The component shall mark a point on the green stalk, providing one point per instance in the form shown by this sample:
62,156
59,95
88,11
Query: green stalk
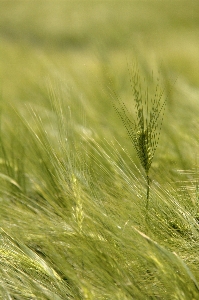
147,191
144,128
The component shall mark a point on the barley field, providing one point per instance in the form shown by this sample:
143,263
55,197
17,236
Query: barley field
99,141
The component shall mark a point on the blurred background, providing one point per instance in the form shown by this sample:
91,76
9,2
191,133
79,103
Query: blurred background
78,34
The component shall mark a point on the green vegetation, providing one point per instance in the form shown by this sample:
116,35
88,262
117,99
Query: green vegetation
74,177
144,131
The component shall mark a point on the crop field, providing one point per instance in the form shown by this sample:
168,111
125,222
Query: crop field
99,150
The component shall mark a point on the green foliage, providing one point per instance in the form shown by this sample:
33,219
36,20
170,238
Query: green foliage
72,187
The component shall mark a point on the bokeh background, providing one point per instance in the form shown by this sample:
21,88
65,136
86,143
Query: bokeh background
76,35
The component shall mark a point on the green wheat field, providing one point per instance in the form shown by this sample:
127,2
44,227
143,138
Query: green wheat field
99,150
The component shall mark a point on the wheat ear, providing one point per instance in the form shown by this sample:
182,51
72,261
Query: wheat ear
144,129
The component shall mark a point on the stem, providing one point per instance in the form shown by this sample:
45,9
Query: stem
147,191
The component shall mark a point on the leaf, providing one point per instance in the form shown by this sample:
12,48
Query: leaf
10,180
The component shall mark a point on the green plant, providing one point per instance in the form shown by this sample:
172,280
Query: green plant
144,129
